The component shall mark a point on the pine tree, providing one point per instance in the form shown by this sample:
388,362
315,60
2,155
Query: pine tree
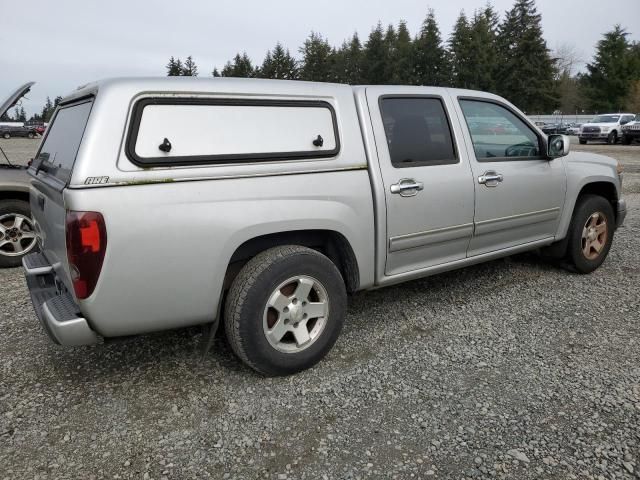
347,62
189,69
403,72
240,67
461,48
173,70
47,110
430,57
375,69
616,64
390,53
316,59
483,51
279,64
215,72
525,68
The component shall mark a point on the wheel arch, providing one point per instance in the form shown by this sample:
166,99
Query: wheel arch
331,243
14,195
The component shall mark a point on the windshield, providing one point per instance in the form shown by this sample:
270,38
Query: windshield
60,147
605,119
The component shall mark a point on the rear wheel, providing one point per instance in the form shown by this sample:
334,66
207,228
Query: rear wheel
590,233
285,310
31,135
17,236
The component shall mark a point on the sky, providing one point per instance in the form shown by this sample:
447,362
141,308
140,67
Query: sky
62,44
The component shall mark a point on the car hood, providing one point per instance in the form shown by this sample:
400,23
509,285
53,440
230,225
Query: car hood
15,97
599,124
591,158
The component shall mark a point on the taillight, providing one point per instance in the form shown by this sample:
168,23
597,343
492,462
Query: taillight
86,246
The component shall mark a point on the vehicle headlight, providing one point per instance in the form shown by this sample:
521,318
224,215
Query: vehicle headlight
605,129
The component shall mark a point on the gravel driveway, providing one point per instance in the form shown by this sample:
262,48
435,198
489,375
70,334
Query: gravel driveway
511,369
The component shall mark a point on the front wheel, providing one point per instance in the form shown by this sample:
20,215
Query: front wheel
285,310
590,233
612,138
6,135
31,135
582,142
626,140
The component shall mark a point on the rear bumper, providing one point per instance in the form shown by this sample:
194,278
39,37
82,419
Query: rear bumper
621,212
55,307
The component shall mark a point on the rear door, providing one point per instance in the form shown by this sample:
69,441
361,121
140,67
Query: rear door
427,180
51,171
519,192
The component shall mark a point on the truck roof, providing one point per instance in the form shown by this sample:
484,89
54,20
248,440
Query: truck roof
208,85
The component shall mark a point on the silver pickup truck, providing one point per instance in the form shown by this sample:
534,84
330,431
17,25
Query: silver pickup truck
167,202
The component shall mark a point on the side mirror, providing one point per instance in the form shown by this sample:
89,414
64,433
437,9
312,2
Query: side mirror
558,146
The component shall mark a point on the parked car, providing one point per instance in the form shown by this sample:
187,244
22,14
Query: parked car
8,132
606,127
17,234
283,196
550,128
631,131
573,129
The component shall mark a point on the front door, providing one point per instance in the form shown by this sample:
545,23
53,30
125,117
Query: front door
519,192
427,179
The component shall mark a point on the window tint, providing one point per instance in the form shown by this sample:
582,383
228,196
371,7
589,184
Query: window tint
60,147
498,133
417,131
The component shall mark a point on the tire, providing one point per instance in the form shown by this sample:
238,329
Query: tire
626,140
8,209
248,316
31,135
6,135
582,142
612,139
586,208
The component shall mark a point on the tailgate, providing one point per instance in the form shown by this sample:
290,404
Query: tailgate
51,171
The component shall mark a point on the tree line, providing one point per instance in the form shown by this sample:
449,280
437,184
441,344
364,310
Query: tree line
20,115
509,57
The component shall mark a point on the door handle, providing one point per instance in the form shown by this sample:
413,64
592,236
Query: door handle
407,187
490,179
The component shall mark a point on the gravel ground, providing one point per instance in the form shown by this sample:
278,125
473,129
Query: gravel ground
511,369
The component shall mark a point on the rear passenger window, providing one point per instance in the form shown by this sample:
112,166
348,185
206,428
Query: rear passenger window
418,132
230,130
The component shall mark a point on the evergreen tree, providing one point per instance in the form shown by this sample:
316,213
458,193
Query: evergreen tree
215,72
240,67
525,68
47,110
461,48
173,70
189,69
317,59
483,49
430,57
375,69
610,75
403,72
347,64
391,54
279,64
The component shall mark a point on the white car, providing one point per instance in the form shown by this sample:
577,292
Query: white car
574,129
607,127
